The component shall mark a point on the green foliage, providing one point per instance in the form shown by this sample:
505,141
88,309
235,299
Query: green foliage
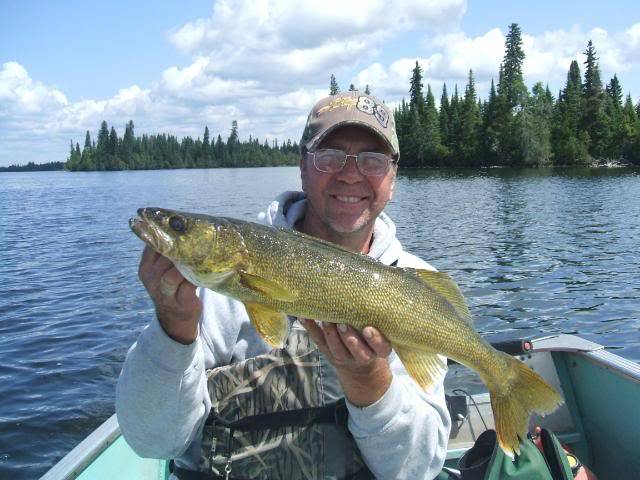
166,151
366,90
333,85
585,125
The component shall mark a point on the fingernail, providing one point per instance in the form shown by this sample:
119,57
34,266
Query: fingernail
368,332
342,327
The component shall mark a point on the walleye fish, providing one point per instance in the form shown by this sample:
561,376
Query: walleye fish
277,272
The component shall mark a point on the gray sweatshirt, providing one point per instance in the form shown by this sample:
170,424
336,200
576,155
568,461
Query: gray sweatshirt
162,400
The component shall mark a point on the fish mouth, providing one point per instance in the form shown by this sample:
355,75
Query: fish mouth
146,228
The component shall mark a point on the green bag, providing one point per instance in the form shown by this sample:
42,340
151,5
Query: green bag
486,460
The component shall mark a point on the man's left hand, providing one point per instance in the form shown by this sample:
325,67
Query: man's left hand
359,358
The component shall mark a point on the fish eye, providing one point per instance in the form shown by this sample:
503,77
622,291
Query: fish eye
177,223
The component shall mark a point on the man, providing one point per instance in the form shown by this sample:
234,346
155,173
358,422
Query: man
199,368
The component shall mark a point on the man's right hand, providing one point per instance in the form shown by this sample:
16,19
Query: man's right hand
177,306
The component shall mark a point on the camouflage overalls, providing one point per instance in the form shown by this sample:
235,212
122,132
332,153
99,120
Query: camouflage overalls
292,378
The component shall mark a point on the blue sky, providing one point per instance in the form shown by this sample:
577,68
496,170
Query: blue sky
177,66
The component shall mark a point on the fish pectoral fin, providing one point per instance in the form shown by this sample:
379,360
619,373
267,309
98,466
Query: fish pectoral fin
267,287
448,288
273,326
425,368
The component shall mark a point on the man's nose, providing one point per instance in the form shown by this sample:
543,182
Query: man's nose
350,172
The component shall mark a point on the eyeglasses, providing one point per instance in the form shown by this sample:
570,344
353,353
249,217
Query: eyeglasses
370,164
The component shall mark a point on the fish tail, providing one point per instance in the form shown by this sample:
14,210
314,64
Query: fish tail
517,393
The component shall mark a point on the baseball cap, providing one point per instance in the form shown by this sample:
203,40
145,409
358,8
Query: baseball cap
350,108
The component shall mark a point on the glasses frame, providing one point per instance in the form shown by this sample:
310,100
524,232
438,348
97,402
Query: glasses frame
357,158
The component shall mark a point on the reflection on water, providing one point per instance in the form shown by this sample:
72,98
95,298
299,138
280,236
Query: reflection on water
534,251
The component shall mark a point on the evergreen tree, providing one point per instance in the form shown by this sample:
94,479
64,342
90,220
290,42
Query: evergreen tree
333,85
569,141
366,90
102,147
512,94
489,141
444,117
613,111
594,121
470,122
434,151
128,145
534,127
352,88
416,97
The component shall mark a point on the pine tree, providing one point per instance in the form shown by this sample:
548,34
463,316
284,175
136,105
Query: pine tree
102,147
416,97
128,145
613,111
511,85
333,85
470,122
443,119
489,141
366,90
534,133
594,120
205,156
434,152
569,142
352,88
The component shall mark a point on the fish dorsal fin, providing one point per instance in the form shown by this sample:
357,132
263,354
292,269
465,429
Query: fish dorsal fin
273,326
267,287
447,287
425,368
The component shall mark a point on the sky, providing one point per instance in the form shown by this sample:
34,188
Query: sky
174,67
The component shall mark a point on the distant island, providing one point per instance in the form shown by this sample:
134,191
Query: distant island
587,124
34,167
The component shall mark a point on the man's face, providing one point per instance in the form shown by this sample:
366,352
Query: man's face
347,201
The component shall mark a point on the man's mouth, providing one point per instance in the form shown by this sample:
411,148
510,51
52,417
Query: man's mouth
348,198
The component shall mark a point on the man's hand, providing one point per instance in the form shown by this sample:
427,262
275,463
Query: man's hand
359,359
177,306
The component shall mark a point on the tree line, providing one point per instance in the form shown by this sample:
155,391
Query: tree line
111,152
586,124
34,167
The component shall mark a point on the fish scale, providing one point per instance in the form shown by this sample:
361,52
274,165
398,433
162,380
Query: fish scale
278,272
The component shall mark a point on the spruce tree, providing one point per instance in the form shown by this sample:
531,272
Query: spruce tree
470,124
594,120
366,90
416,97
512,94
444,117
433,149
102,147
352,88
333,85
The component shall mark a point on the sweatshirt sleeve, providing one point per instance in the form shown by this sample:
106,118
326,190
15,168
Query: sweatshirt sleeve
403,435
161,394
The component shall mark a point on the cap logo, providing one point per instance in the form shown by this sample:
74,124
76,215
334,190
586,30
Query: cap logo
341,102
367,105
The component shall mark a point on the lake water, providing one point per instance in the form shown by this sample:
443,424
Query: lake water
534,252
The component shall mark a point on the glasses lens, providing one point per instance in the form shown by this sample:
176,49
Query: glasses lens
329,160
373,164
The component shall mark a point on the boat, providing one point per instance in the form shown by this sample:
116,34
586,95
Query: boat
599,421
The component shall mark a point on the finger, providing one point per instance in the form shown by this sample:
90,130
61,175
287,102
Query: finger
148,258
334,342
170,281
186,294
315,332
377,342
356,345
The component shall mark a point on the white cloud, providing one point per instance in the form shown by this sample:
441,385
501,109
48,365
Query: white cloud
20,95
